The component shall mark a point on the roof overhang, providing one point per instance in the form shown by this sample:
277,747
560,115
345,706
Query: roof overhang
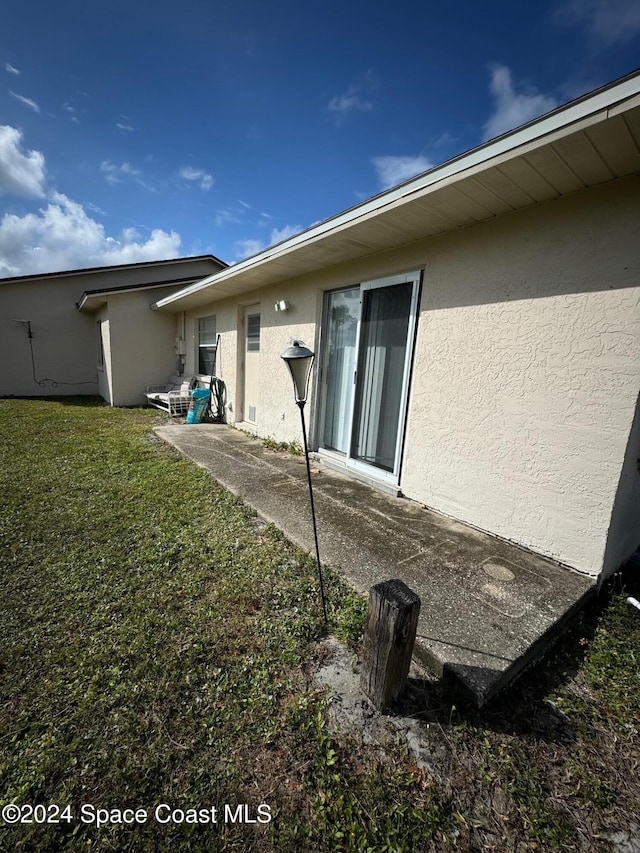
91,300
110,268
590,141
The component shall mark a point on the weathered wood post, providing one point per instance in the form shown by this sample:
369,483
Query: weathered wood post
388,641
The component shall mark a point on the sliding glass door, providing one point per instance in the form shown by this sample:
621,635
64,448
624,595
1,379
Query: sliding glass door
367,351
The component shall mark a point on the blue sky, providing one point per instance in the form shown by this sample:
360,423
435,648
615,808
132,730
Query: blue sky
133,131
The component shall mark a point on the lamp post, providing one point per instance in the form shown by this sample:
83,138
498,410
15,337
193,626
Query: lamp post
299,359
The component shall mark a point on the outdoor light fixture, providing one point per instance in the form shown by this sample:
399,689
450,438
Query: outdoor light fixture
281,305
299,359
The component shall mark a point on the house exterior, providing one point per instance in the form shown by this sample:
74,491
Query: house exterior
476,332
91,331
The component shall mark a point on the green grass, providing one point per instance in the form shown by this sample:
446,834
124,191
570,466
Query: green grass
156,645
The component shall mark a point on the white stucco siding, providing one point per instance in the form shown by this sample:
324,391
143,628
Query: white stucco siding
142,345
523,437
64,341
277,415
527,373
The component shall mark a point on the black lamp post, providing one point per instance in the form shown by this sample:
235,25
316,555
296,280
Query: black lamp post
299,359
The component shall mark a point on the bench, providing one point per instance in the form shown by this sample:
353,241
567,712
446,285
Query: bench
173,397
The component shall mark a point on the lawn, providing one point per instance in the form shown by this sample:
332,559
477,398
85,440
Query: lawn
157,649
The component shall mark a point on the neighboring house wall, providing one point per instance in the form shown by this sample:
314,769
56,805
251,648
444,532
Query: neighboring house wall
526,372
142,345
64,340
138,344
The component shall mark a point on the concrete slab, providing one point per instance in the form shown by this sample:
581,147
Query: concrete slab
489,608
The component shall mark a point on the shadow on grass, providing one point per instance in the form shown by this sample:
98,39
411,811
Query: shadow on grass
79,400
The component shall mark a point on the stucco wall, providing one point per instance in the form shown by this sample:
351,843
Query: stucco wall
64,340
142,345
277,415
526,373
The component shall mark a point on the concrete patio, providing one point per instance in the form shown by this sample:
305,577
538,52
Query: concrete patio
489,608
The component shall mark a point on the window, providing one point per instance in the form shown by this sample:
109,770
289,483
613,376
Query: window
253,333
207,345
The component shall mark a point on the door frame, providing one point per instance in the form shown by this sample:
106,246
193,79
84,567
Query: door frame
413,277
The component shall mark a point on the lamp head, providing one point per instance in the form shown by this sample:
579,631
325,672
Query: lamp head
299,359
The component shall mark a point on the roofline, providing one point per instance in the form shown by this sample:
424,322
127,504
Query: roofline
86,270
113,291
586,106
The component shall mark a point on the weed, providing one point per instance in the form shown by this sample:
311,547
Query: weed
293,447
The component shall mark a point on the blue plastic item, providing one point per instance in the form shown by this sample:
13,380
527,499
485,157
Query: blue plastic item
198,405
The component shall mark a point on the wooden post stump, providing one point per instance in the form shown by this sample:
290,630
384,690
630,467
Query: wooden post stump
388,641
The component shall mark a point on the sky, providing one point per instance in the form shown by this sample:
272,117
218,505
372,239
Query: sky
136,131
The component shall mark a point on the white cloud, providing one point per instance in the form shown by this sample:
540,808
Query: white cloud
116,174
26,101
280,234
355,99
512,108
199,176
607,21
10,69
395,170
62,236
348,102
125,172
247,248
125,124
71,112
225,215
20,173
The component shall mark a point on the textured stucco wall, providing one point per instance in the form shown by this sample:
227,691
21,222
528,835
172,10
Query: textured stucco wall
527,373
64,341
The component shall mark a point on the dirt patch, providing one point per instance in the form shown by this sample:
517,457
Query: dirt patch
350,712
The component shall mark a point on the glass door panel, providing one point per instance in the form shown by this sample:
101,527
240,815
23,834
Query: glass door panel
380,377
339,366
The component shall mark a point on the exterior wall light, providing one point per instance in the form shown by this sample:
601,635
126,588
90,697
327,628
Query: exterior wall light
281,305
299,360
